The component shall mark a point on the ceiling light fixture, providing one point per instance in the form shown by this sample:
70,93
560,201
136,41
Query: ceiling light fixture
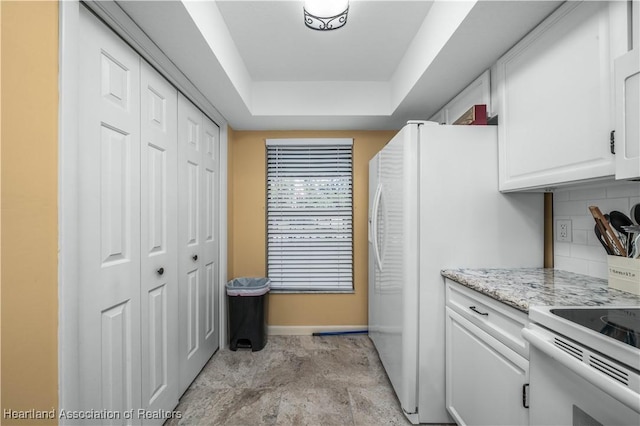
325,15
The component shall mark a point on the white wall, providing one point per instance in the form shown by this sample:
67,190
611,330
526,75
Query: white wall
584,254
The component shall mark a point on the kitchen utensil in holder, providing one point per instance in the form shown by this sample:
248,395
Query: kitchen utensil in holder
607,232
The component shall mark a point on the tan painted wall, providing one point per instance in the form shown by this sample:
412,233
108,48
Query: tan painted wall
29,236
247,247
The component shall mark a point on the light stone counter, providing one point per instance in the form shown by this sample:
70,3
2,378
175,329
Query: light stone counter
526,287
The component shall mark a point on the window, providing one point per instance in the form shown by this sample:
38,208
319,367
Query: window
310,214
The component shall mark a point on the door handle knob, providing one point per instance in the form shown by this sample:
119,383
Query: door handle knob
195,257
160,271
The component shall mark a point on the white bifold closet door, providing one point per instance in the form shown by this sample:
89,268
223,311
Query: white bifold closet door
159,241
148,232
198,147
109,222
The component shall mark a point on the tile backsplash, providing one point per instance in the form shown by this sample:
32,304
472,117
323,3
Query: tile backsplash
584,254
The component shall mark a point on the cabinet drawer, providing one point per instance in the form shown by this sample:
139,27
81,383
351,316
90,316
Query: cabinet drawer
497,319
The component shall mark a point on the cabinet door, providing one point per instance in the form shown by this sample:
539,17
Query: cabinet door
627,79
197,239
555,101
484,379
476,93
159,242
439,117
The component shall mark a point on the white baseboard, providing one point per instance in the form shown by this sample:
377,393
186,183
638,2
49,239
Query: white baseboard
308,330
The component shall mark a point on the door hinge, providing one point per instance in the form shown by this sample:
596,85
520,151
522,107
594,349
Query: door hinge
612,141
525,395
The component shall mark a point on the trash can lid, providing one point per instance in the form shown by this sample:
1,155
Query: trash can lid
248,286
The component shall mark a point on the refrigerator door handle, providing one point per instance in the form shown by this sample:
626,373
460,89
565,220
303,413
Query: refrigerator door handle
374,226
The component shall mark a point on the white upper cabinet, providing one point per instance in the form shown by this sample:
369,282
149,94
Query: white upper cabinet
627,105
555,92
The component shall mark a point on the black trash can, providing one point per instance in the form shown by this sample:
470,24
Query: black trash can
247,299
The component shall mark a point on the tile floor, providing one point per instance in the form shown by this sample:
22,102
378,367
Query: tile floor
294,380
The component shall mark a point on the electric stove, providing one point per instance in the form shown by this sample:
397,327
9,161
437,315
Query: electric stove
622,324
613,331
584,365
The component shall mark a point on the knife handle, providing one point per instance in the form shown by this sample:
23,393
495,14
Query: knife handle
607,233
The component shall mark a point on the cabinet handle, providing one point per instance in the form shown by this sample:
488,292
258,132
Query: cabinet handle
612,141
473,308
160,271
194,257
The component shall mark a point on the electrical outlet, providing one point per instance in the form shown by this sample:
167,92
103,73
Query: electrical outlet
563,230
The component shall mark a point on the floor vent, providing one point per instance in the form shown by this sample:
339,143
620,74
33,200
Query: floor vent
609,369
572,350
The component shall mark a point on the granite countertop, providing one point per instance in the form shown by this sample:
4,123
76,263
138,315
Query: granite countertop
526,287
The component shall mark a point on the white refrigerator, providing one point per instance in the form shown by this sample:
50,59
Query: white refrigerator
434,204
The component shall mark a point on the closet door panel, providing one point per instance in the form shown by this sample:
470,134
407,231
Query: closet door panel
109,220
190,216
198,147
117,377
159,272
209,250
192,314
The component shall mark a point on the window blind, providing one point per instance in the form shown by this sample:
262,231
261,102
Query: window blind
310,214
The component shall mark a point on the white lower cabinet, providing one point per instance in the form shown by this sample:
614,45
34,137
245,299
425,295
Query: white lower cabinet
486,379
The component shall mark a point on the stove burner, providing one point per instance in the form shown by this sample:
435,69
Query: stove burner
617,331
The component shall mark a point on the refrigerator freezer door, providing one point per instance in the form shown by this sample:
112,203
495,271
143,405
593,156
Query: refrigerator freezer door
393,292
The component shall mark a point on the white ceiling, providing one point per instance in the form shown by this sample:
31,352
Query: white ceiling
276,45
393,61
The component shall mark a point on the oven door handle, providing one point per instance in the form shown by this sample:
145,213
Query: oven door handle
618,391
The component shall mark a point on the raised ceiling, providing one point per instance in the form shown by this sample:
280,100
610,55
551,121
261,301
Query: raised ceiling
275,44
394,60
